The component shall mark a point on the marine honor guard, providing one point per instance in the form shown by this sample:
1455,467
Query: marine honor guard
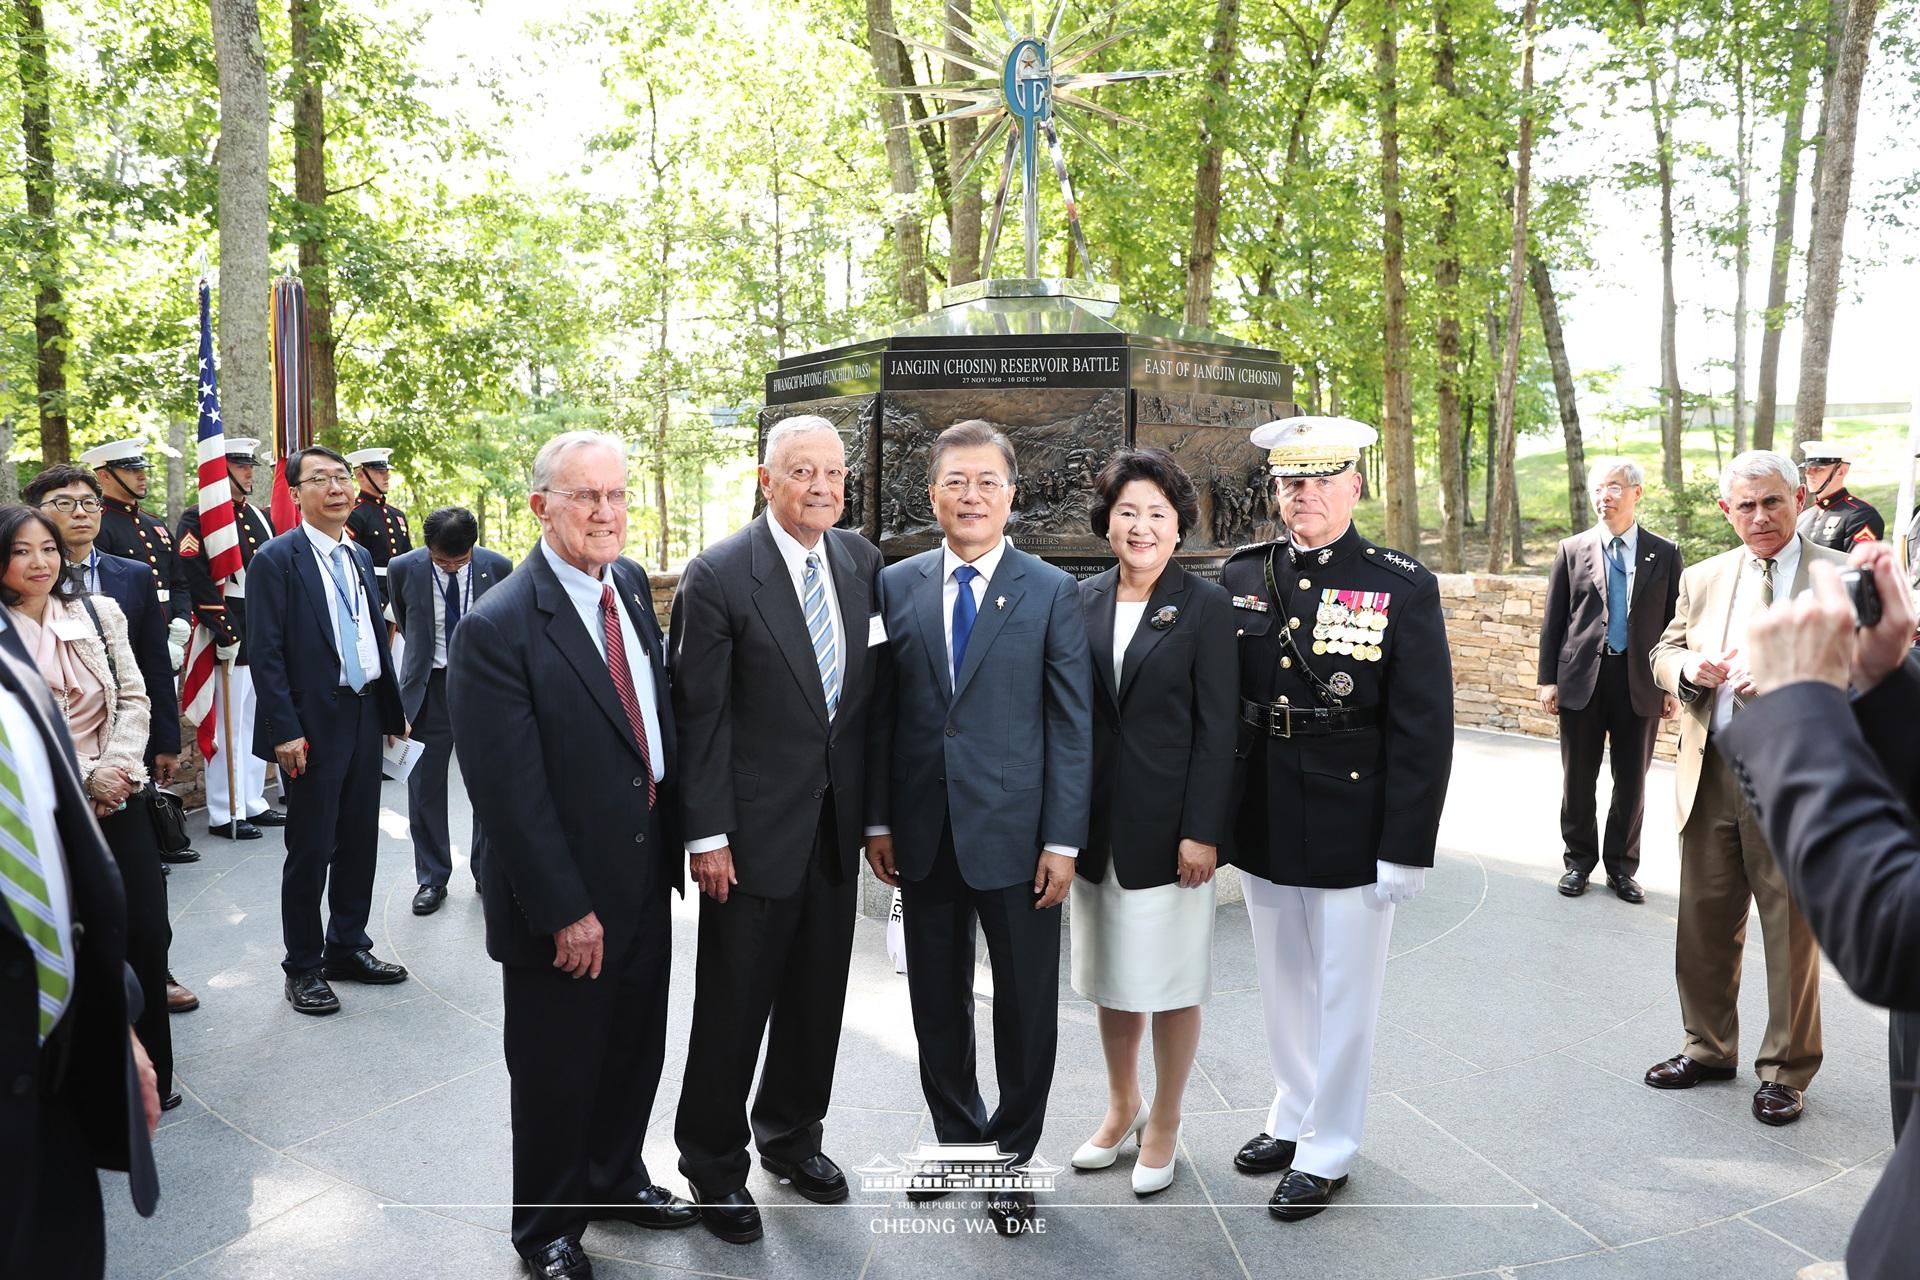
127,530
1833,517
377,524
240,812
1344,750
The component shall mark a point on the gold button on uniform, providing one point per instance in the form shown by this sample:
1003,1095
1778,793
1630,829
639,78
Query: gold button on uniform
1355,775
1283,700
1305,585
1294,623
1285,663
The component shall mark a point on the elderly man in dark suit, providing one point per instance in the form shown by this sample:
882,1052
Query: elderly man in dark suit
980,781
430,589
1834,781
324,680
80,1092
1610,596
565,734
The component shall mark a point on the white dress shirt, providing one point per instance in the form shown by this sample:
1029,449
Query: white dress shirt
585,592
1746,599
462,591
366,645
1126,621
90,570
37,796
1631,550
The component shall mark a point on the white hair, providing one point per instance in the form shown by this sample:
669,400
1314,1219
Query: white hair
804,424
1604,467
1759,464
547,461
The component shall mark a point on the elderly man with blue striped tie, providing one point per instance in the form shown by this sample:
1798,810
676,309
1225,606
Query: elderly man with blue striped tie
773,654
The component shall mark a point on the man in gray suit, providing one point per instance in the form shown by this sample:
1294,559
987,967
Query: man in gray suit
980,775
431,589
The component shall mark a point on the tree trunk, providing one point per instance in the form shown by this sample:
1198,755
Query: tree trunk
1446,278
177,471
246,396
963,223
1765,409
1563,390
1673,416
1506,502
909,251
1206,178
1396,410
1825,255
310,190
9,474
50,334
1742,233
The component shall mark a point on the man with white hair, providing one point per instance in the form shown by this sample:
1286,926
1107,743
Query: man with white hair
1610,596
1725,865
773,671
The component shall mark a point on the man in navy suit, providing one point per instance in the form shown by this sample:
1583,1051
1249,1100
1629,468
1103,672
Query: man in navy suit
980,778
429,590
324,679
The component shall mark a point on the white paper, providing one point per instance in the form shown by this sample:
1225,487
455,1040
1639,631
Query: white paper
876,630
397,761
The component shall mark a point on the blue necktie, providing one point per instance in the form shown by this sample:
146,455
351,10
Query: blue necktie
450,593
1617,596
964,612
826,654
348,618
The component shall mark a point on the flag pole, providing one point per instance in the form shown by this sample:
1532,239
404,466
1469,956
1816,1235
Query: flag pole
226,720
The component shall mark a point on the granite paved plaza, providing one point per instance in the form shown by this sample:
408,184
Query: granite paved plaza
1509,1132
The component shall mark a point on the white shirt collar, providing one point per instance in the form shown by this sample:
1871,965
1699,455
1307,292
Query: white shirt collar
1631,537
577,583
1786,563
986,564
790,548
320,540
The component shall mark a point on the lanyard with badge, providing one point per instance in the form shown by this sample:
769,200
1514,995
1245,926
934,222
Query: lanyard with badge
349,598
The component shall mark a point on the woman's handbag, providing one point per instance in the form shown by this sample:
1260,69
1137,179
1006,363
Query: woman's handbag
169,819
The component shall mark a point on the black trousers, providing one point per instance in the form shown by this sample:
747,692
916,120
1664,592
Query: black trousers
136,851
427,790
1608,719
333,831
1903,1065
59,1228
584,1055
760,958
1023,945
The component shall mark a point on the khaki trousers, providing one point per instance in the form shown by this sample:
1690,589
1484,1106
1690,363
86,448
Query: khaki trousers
1725,866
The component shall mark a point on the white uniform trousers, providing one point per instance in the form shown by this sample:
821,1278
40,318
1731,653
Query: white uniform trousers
1322,960
249,771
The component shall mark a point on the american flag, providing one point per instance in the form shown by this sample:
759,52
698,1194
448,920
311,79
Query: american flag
219,538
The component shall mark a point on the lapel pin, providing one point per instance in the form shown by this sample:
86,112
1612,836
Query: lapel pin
1164,618
1000,602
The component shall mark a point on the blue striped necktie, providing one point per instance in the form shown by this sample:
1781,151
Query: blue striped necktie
24,883
826,654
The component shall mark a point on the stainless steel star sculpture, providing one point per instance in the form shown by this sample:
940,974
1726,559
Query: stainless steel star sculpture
1028,79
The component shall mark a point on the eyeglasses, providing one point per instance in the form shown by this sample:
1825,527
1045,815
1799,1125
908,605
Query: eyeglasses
1608,490
989,487
330,482
590,499
67,506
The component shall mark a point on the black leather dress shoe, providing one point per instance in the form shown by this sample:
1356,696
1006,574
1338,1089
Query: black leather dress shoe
817,1178
562,1260
1012,1212
1627,888
238,830
654,1208
1263,1154
1682,1072
271,818
1777,1104
361,966
185,855
174,1099
1573,884
309,993
427,899
1301,1195
733,1217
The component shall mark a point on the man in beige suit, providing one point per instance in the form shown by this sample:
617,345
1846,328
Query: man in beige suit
1725,865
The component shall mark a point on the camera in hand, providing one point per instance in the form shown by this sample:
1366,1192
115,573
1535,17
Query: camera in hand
1863,594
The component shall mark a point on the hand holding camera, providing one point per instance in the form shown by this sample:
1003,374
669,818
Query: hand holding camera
1853,628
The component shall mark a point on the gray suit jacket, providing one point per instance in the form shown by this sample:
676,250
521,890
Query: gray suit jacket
1006,752
410,588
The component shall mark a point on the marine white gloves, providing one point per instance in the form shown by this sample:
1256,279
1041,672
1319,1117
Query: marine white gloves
1397,883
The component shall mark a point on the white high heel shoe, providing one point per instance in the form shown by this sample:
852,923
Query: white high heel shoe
1147,1180
1090,1156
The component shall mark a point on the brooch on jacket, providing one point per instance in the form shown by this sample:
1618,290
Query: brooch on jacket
1164,617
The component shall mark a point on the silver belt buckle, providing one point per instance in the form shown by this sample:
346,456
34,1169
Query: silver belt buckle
1279,720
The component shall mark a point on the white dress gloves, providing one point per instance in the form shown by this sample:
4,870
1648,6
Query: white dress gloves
1396,883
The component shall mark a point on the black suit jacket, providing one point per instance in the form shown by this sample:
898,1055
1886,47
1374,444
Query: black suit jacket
552,767
1163,736
757,750
99,1086
410,592
129,584
1835,788
290,642
1573,635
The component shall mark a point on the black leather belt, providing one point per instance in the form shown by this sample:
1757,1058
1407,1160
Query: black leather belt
1284,720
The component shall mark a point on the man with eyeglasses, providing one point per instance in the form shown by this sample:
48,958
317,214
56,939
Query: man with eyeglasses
377,524
127,530
237,813
1611,594
324,681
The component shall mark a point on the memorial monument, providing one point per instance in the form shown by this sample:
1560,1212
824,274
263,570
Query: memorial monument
1062,366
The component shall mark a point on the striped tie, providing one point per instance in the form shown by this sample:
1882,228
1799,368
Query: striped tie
820,631
25,886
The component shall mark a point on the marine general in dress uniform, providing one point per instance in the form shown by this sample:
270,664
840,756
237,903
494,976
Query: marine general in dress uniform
1834,517
239,813
127,530
377,524
1344,750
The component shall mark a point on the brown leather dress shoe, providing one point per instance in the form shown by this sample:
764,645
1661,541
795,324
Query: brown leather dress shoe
1682,1072
1777,1104
179,999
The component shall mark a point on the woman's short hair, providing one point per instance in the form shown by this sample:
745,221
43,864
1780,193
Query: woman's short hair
14,518
1157,467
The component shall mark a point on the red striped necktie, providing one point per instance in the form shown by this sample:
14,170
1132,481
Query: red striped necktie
623,681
